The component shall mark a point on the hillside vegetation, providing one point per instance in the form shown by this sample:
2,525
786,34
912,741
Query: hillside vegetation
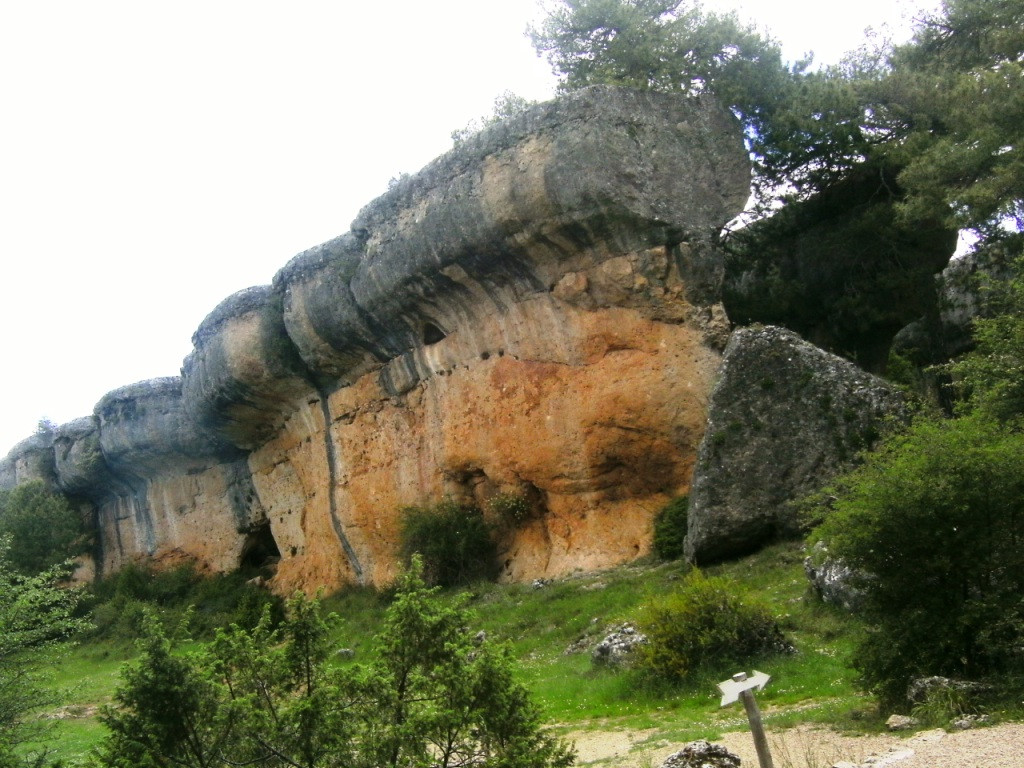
550,631
927,526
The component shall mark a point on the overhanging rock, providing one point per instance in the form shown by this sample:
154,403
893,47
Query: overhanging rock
535,313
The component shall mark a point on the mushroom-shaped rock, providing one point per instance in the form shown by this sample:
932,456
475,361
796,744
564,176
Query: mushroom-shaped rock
514,210
244,372
78,457
31,459
143,426
321,316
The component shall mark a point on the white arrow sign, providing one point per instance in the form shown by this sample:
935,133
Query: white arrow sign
731,689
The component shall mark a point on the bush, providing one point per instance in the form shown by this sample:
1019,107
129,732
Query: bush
933,523
121,601
708,623
454,541
36,620
670,529
511,508
432,693
44,530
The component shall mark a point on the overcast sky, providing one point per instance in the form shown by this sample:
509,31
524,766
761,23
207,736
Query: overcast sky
155,157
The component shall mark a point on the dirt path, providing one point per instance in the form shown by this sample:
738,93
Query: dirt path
1000,746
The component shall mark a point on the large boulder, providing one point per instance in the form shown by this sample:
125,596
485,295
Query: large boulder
785,417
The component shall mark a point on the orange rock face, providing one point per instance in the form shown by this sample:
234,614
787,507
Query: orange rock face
535,314
591,415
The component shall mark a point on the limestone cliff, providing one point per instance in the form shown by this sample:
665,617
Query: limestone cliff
536,312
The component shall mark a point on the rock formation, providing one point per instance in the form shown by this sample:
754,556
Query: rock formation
965,292
841,268
784,417
535,313
31,459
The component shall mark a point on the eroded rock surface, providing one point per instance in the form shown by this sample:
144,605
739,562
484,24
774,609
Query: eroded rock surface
784,418
536,313
31,459
841,268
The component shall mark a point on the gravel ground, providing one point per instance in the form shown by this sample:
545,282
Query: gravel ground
1000,746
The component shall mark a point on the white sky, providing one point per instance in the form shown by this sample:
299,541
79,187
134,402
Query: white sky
155,157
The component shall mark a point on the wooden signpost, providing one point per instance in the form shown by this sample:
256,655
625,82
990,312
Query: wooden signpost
740,687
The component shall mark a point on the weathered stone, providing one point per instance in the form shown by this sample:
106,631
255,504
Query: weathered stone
78,458
922,688
144,426
172,490
967,722
901,723
244,373
31,459
618,648
784,418
442,346
536,313
702,754
832,579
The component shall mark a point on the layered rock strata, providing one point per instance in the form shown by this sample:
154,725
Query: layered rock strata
535,314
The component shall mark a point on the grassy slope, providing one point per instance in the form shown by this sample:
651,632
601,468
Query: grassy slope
540,624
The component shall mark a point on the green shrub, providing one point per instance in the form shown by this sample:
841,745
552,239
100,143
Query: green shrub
431,693
44,530
455,542
511,508
933,523
670,529
120,602
941,706
706,624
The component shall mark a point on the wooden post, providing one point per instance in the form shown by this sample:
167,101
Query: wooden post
764,755
742,688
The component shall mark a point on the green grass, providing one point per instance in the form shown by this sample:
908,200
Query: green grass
539,625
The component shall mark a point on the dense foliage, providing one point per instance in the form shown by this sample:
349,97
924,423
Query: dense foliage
991,377
121,601
36,618
43,528
433,693
942,111
932,522
958,91
670,528
454,541
707,623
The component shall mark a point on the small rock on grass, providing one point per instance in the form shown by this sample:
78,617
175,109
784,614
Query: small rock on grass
702,754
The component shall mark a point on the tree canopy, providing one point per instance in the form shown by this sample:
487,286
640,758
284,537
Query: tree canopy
432,693
36,618
943,111
43,528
